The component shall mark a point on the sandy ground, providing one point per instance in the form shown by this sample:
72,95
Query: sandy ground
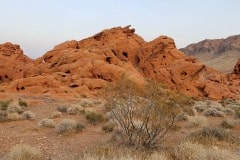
52,144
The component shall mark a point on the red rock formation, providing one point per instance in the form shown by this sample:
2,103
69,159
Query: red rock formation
87,65
13,63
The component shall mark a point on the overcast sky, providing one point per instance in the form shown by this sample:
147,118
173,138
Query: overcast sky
38,25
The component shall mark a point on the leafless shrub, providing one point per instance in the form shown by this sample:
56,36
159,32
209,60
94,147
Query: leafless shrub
153,107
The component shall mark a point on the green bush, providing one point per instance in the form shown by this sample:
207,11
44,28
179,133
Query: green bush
4,105
22,103
108,127
94,117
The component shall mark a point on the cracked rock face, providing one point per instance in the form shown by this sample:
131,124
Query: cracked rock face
89,64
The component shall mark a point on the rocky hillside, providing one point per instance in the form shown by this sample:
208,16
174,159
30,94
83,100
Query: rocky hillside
220,54
87,65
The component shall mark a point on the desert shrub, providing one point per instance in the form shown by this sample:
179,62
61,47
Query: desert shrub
25,152
28,115
79,127
229,111
230,123
75,109
144,115
227,124
62,109
237,113
89,110
15,109
49,123
56,114
193,151
94,117
211,134
213,112
13,117
3,116
200,106
22,103
86,102
4,105
68,125
197,121
108,127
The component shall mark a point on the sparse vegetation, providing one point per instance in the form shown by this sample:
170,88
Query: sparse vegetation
4,105
108,127
49,123
62,109
22,103
75,109
68,126
56,114
14,117
144,116
86,102
197,121
209,135
94,117
28,115
229,123
25,152
213,112
3,116
193,151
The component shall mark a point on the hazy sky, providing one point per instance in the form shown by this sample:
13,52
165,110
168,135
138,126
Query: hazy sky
38,25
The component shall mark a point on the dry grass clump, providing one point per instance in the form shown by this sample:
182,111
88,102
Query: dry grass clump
196,121
68,125
14,117
194,151
62,109
209,135
120,153
46,122
230,123
15,109
75,109
86,102
25,152
229,111
94,117
56,114
28,115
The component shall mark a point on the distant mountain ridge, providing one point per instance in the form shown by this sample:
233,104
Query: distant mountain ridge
220,54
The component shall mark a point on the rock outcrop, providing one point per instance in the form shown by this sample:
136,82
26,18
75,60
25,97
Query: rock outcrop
13,63
214,52
237,68
87,65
